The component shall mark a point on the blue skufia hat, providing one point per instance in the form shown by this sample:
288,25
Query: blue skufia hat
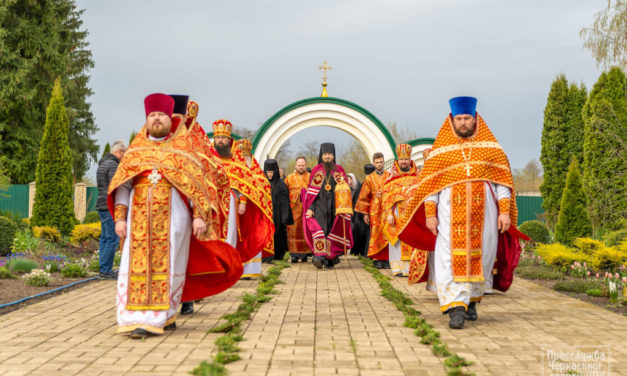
463,105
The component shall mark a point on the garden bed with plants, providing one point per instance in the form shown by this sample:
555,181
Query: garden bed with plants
40,259
590,270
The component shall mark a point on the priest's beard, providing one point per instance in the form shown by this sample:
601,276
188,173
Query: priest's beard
464,134
328,165
405,169
223,150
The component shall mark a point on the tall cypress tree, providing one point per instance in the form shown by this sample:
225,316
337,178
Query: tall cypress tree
40,41
107,149
562,138
555,114
53,198
573,221
605,142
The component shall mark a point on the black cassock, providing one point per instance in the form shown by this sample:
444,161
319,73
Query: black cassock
281,210
361,231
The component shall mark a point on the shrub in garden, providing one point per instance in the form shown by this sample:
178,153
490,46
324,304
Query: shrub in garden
615,237
573,220
608,258
37,277
91,217
24,242
7,232
94,265
561,256
51,267
20,265
54,205
6,274
47,232
73,271
594,292
15,218
83,233
536,230
587,245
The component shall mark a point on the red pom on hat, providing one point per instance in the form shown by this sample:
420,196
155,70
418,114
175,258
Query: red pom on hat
159,102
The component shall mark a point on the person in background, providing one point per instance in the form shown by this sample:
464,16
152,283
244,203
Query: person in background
109,241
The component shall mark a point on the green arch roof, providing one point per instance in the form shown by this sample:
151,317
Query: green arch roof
422,141
339,101
234,136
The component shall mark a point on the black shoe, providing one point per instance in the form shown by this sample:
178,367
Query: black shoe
386,265
246,278
110,275
317,263
471,314
457,316
267,260
187,308
377,265
305,259
329,265
294,260
170,327
139,334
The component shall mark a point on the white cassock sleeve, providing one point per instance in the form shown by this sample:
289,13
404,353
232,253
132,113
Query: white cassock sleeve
123,194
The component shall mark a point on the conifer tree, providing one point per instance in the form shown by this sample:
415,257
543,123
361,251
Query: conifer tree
53,198
40,41
605,142
562,138
132,137
107,149
573,221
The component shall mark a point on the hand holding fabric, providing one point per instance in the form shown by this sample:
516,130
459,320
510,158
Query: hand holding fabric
199,227
504,222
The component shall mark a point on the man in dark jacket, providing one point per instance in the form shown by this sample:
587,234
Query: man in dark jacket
108,239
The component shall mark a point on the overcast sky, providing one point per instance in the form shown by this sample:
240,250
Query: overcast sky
401,60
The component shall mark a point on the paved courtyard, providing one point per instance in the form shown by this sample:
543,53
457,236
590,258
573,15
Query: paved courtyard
321,323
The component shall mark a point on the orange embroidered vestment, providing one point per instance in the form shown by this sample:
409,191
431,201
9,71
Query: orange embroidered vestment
295,235
370,202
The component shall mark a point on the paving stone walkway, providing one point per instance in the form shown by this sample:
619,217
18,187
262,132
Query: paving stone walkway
321,323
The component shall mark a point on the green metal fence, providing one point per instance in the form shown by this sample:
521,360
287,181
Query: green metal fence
529,208
92,197
15,199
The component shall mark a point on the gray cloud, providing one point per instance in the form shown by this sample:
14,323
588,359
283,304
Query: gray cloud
402,60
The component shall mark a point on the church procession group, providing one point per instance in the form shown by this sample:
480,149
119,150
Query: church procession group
196,215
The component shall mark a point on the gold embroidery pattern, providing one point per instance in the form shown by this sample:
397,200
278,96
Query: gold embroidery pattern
120,212
149,285
467,211
295,235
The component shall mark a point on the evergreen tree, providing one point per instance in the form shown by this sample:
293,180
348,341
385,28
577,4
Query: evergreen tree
562,138
605,142
107,149
552,143
573,221
53,198
40,41
130,140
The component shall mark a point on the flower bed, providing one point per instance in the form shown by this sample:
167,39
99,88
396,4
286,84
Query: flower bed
42,260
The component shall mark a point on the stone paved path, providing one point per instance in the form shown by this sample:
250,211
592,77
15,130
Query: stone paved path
322,322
